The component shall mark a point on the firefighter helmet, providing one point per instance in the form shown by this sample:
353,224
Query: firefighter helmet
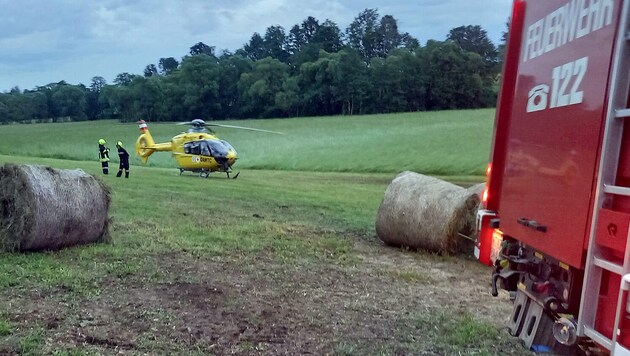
101,141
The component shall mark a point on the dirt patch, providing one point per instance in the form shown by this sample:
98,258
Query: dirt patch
256,305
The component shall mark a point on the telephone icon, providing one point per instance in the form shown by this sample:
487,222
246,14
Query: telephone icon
537,98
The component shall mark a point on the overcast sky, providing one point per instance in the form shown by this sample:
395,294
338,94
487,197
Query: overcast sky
44,41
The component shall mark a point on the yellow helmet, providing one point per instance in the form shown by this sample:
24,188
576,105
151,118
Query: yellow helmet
119,144
101,141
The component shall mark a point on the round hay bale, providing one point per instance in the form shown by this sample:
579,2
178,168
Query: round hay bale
423,212
43,208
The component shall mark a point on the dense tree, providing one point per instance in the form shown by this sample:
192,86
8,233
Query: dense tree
69,102
474,39
390,38
502,45
4,113
199,78
231,69
314,70
168,65
94,110
275,44
309,28
409,42
202,48
351,81
329,36
255,49
150,70
363,35
259,88
456,79
295,40
316,82
97,84
124,78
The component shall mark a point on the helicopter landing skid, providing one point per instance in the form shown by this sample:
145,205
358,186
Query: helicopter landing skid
236,176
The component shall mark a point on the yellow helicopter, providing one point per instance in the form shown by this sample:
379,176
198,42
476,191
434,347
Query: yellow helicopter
198,150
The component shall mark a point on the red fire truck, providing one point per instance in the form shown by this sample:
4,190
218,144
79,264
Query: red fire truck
556,215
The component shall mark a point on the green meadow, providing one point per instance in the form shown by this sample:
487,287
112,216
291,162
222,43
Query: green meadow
282,260
438,143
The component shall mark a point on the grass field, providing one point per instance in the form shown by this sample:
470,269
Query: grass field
278,261
440,143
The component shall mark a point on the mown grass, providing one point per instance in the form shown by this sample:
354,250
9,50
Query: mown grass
159,211
281,209
437,143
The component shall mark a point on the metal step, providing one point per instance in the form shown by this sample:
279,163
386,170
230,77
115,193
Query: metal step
614,189
608,265
597,337
622,113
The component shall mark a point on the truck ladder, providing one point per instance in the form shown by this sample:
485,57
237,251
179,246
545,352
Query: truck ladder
597,261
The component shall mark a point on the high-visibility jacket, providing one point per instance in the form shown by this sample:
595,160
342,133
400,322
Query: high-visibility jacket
103,153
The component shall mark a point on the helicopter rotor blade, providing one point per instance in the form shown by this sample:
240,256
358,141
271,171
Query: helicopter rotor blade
245,128
205,124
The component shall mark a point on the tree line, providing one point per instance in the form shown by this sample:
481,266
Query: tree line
315,69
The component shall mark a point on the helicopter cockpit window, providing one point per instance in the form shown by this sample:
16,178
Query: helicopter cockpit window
205,148
218,148
192,148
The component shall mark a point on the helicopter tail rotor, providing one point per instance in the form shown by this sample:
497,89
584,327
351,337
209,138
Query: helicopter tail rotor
144,142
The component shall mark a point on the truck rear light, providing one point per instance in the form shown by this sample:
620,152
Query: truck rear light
485,237
484,195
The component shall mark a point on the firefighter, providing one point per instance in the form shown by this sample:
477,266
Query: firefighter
124,160
103,155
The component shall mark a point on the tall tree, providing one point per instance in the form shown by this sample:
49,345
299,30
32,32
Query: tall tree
458,79
309,28
351,82
231,69
329,36
409,42
69,101
124,78
94,109
316,82
389,35
255,48
275,43
199,77
202,48
503,43
260,87
97,84
295,40
474,39
168,65
363,35
150,70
